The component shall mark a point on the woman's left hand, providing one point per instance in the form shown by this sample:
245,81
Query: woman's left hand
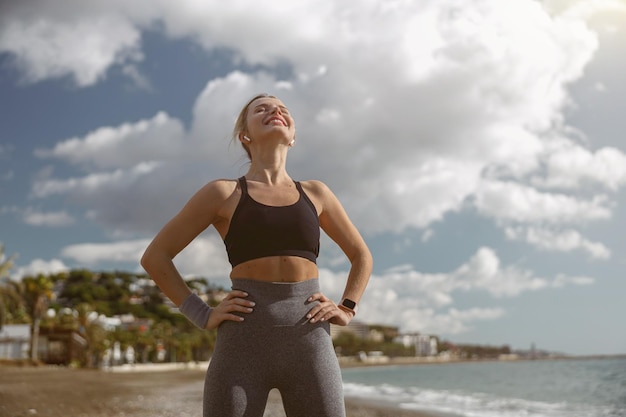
327,310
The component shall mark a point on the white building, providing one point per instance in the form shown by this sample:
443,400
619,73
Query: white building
425,345
14,341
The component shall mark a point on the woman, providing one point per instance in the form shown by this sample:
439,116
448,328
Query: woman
274,329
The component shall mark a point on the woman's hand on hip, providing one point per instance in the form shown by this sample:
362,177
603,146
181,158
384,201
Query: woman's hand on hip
234,302
327,310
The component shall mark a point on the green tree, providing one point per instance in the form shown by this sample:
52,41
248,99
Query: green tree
165,338
124,337
79,287
349,344
6,264
143,344
94,334
37,293
12,308
81,294
97,344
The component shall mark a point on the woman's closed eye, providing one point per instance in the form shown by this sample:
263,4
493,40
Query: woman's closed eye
262,108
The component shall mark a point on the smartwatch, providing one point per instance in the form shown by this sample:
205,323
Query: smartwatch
348,304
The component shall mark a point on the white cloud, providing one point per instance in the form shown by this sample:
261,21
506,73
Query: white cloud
562,240
94,253
39,266
138,79
51,219
123,146
204,257
599,87
427,235
520,203
74,41
562,280
9,209
410,196
585,9
455,321
441,104
483,272
569,165
417,301
92,183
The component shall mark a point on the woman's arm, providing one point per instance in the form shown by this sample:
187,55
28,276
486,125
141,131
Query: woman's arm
338,226
202,210
198,214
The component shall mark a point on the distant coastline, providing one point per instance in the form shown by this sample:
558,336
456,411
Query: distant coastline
344,362
352,362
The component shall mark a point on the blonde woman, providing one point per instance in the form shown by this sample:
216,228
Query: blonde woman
274,326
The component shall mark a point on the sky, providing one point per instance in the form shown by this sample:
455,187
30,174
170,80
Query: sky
477,145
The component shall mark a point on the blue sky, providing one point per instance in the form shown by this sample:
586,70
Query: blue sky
478,146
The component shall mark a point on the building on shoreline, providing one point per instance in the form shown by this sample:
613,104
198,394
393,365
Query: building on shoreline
424,344
61,346
14,341
56,346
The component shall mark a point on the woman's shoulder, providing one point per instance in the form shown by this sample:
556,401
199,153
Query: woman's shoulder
313,184
222,187
316,187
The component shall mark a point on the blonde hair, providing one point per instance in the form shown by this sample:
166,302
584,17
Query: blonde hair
241,125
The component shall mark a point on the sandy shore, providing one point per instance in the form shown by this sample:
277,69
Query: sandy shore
63,392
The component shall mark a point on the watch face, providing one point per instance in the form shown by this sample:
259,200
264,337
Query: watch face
348,303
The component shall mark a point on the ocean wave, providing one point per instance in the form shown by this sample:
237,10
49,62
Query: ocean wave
471,404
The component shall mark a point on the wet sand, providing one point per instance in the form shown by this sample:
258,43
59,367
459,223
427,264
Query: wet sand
62,392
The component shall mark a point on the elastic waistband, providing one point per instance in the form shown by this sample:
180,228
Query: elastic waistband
279,289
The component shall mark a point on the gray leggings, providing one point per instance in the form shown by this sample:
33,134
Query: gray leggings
274,347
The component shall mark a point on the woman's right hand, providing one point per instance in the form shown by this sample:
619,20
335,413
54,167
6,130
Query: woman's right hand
235,301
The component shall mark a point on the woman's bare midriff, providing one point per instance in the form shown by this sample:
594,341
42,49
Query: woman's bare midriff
276,269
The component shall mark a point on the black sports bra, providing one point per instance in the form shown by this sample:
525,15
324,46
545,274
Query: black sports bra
257,230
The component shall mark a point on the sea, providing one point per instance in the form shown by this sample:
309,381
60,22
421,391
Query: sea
529,388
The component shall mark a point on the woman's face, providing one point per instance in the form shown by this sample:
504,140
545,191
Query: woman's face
268,115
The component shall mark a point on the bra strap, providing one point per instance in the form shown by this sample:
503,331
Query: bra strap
306,198
244,185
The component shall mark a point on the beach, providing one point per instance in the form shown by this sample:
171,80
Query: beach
64,392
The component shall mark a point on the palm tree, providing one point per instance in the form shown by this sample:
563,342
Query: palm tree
12,309
37,293
6,264
163,332
94,334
